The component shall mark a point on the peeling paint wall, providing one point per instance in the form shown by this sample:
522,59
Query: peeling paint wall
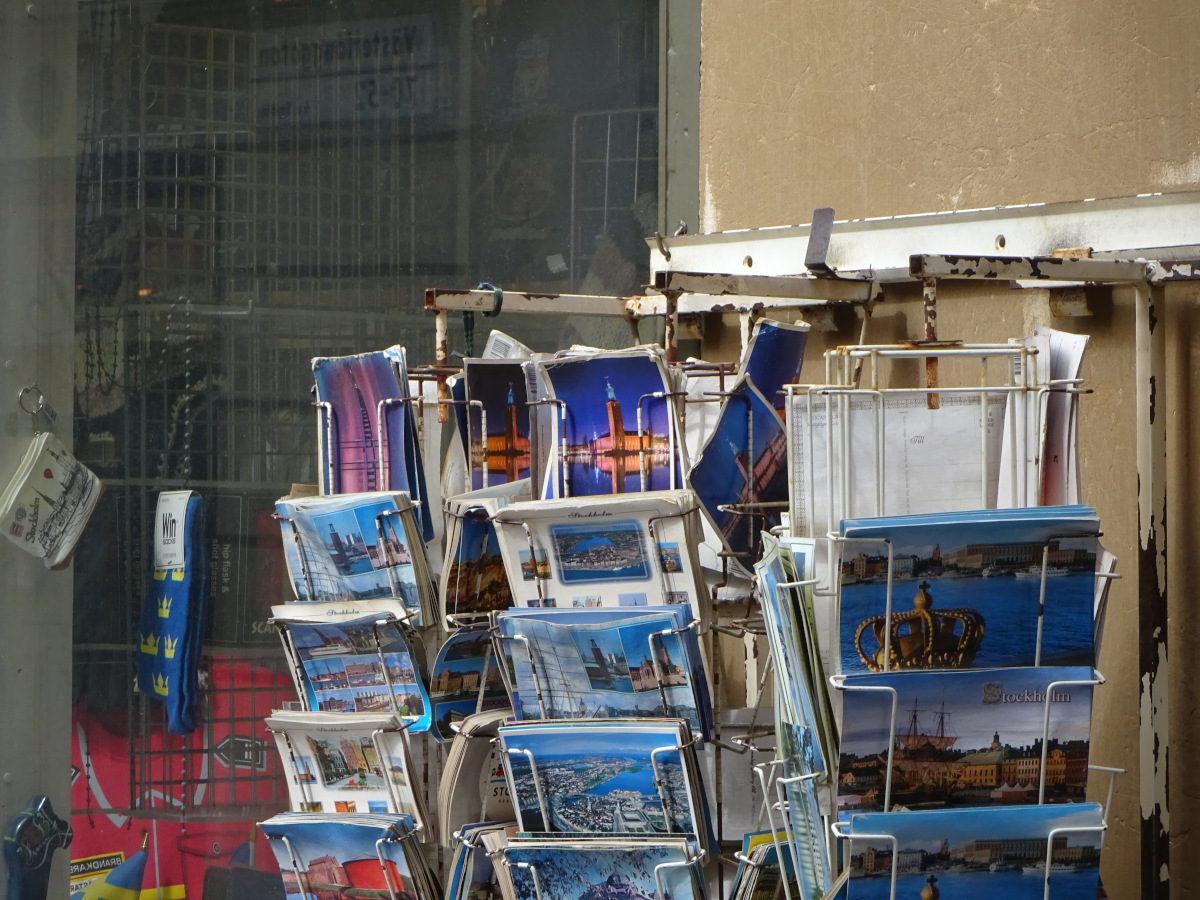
892,108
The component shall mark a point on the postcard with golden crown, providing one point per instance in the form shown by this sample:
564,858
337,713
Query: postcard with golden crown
980,589
979,737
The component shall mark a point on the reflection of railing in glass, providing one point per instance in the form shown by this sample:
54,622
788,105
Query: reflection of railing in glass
614,176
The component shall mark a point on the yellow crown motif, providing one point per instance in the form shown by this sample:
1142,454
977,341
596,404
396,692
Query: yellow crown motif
150,644
161,685
169,647
177,574
164,608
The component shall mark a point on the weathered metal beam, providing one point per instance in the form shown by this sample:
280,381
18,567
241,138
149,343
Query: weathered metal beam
1165,270
1026,268
1154,738
523,302
790,287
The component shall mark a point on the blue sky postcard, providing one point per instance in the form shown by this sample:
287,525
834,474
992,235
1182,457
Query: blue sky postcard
584,669
605,869
474,581
965,738
733,479
346,763
351,661
498,386
335,552
989,854
967,593
466,676
598,779
773,358
618,432
336,853
606,550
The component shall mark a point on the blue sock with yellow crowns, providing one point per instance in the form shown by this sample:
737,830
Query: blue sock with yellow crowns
171,632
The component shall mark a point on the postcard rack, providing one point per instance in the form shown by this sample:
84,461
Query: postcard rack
693,866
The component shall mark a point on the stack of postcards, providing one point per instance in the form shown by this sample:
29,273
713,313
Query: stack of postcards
356,554
964,644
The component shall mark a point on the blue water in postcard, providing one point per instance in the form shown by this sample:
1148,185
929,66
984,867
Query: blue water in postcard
641,781
1007,604
981,885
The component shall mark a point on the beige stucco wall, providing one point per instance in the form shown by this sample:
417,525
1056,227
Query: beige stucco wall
884,109
880,108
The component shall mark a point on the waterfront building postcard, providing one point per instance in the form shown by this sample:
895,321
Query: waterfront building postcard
965,738
773,357
348,659
474,581
465,677
618,429
606,550
362,444
966,592
335,552
988,854
589,663
603,778
499,387
336,852
738,484
604,869
359,759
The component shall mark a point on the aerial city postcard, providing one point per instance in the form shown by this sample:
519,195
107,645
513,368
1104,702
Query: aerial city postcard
601,778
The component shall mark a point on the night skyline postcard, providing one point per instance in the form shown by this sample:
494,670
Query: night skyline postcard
965,738
975,585
600,779
601,396
500,386
603,869
730,475
984,854
773,358
354,386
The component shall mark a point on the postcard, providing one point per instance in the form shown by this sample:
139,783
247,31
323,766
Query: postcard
625,661
496,395
759,872
472,872
365,432
969,590
809,847
604,869
617,431
465,679
629,550
354,547
352,660
986,854
799,691
373,855
347,763
773,357
969,737
597,778
472,786
743,489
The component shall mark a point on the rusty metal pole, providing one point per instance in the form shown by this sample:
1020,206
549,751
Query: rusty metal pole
929,295
1154,739
441,359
